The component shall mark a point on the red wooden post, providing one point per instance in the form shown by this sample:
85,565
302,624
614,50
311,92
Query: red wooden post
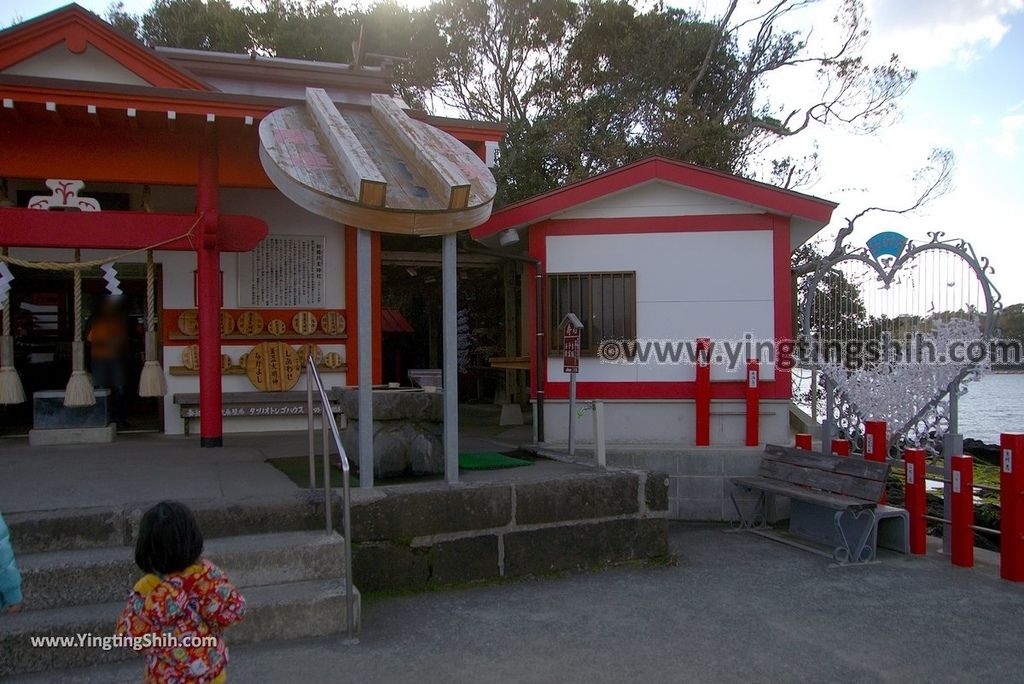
208,297
876,445
753,402
1011,507
702,393
803,441
962,542
915,499
841,447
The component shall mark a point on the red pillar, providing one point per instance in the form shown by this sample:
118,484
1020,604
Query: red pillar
915,500
1011,507
702,393
962,542
840,447
209,297
803,441
753,402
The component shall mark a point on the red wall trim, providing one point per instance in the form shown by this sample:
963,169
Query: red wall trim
657,224
736,390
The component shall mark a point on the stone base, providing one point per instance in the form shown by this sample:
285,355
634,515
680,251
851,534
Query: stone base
61,436
511,414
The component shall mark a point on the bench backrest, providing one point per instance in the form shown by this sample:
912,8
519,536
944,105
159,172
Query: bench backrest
853,477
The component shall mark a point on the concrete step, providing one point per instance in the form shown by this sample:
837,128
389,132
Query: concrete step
277,611
100,527
72,578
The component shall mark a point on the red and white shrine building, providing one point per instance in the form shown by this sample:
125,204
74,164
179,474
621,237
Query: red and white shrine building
166,142
666,251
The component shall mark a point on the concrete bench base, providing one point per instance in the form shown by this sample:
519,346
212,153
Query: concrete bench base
80,435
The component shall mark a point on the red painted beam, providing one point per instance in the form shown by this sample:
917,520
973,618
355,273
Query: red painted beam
123,230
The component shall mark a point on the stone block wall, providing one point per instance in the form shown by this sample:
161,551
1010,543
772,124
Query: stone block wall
416,538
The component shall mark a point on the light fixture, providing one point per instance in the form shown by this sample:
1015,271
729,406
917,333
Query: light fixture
508,237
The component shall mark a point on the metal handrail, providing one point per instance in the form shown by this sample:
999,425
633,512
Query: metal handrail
329,428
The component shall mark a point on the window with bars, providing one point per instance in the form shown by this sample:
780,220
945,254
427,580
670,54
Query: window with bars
604,302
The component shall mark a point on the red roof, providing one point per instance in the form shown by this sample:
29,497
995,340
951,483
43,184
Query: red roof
773,199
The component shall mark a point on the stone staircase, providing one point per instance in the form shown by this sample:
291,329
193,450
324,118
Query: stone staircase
76,580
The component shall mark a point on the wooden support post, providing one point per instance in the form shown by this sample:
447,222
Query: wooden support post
803,441
962,543
702,393
1011,507
753,402
840,447
209,296
876,445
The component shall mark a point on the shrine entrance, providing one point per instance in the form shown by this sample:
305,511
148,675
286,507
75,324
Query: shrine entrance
42,315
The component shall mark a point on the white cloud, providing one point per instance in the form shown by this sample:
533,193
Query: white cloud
1006,143
928,33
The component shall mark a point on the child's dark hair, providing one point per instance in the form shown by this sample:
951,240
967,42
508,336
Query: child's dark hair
169,539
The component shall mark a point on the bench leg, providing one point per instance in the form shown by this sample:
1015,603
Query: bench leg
857,527
758,515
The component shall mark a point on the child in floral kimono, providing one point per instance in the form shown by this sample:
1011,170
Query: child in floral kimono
177,612
10,579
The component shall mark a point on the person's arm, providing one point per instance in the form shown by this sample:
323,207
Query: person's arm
222,605
10,578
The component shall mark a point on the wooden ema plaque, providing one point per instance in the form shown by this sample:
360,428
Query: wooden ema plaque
332,323
311,349
227,323
277,327
250,323
304,323
273,367
190,357
188,323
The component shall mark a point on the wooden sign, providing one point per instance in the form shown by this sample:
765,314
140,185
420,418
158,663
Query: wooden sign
273,367
304,323
250,323
333,360
188,323
225,362
227,323
332,323
277,327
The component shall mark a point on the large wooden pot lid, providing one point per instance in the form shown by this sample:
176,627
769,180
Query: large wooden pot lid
379,169
273,367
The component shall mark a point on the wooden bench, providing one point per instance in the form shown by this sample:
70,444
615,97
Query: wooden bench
833,502
257,405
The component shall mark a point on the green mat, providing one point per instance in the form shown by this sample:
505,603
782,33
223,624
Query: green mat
490,460
297,468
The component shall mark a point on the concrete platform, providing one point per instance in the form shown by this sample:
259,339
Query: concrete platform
734,608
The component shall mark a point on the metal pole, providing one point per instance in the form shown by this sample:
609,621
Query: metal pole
309,425
347,527
328,517
449,325
602,460
365,346
827,426
572,415
952,445
542,358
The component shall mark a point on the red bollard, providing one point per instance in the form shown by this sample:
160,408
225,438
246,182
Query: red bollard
876,443
962,542
915,500
803,441
1011,507
753,402
840,447
876,446
702,393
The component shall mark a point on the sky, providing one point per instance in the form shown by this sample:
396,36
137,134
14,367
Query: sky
969,97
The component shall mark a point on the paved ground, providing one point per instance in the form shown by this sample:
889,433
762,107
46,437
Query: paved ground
735,608
147,467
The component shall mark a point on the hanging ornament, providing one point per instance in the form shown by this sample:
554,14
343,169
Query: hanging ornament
6,278
11,390
110,277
